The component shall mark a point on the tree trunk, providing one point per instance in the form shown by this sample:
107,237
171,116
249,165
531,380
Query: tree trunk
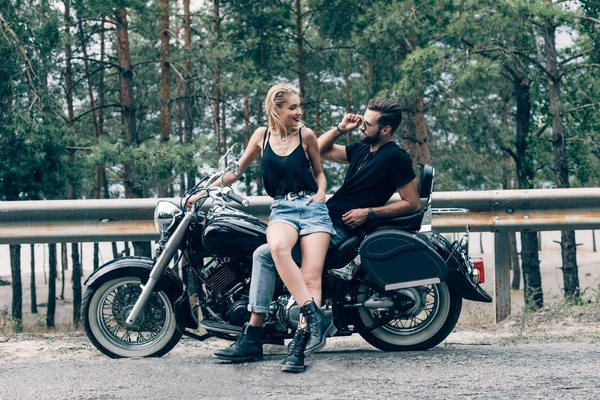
88,74
410,138
165,91
51,285
76,279
300,48
165,73
64,266
259,115
115,251
68,58
32,282
187,89
530,263
17,287
508,184
96,256
534,297
561,169
223,123
126,77
347,95
248,181
180,130
142,249
370,81
514,261
421,130
217,78
98,122
317,117
126,89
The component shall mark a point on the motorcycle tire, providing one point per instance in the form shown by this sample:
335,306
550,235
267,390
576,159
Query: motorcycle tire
105,308
427,333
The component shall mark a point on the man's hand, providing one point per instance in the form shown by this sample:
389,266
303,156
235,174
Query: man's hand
350,122
355,218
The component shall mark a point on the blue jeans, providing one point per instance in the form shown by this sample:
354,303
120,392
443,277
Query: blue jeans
264,273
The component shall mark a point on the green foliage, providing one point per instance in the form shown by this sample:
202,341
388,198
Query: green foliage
463,58
32,136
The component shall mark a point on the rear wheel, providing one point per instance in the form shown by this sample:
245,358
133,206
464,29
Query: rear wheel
422,327
105,309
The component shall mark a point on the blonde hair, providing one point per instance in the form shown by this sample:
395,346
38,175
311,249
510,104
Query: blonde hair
274,100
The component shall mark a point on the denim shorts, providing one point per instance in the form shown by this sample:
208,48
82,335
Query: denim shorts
306,218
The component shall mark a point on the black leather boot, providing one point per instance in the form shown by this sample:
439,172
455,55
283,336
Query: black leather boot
319,327
247,347
294,362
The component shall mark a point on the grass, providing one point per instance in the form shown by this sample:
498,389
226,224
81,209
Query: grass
7,325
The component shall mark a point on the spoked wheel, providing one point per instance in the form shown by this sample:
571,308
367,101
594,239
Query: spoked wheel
105,310
429,321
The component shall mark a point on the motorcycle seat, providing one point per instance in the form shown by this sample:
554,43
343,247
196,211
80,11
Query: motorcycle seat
340,255
411,222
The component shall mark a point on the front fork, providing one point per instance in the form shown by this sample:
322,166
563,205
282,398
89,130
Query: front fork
159,267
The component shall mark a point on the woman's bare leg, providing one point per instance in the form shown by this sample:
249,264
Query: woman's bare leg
281,238
314,249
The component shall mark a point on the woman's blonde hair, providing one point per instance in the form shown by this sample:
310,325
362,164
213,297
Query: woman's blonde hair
274,101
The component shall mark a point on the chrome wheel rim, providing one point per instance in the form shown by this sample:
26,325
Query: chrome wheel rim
116,304
418,317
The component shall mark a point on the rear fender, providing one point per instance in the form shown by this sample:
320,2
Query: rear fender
457,279
140,267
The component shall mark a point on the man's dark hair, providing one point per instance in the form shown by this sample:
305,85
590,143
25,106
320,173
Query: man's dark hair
391,112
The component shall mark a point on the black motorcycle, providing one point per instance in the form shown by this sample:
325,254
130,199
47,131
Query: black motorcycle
395,282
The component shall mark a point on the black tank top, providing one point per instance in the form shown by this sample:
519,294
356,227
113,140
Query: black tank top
285,174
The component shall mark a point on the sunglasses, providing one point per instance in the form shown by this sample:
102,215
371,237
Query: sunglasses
364,123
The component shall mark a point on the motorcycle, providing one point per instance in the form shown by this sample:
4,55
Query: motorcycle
395,282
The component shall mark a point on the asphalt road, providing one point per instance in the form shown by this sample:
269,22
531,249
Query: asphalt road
522,371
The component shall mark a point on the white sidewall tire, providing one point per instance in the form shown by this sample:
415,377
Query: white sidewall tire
447,311
166,340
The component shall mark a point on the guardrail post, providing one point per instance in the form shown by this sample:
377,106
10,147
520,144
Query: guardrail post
502,269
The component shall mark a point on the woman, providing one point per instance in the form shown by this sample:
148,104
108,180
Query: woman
293,176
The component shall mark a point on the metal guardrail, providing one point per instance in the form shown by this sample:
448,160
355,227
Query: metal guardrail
59,221
501,212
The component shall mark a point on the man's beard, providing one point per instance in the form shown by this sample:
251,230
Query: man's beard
373,139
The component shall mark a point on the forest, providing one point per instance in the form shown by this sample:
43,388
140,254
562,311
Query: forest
132,99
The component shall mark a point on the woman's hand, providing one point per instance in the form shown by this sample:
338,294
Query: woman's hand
190,202
318,197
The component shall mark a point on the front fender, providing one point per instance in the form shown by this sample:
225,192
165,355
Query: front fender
140,267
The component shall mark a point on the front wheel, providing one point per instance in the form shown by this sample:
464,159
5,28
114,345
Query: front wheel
105,309
422,327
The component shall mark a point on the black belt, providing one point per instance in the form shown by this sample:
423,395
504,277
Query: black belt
291,195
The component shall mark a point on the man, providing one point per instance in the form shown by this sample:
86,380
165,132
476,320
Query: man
378,168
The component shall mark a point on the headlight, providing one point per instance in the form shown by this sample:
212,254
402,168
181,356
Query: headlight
164,215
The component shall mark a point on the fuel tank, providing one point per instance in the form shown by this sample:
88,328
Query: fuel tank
230,232
396,259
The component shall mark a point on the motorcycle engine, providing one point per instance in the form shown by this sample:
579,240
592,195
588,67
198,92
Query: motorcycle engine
288,312
221,274
226,285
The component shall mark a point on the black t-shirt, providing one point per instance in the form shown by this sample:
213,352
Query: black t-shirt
371,180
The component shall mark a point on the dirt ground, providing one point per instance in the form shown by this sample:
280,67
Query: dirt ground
476,325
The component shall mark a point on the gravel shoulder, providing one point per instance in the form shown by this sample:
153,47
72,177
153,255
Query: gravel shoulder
572,325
